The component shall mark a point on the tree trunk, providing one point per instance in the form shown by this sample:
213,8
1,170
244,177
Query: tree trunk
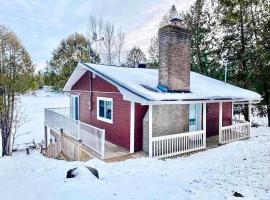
6,150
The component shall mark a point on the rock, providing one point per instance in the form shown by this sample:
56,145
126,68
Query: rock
254,124
82,172
93,171
70,173
237,194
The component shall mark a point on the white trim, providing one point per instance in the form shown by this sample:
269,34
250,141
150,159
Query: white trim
132,126
204,116
150,130
204,122
220,121
103,118
240,101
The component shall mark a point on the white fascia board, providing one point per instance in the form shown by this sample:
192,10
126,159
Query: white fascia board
78,72
244,101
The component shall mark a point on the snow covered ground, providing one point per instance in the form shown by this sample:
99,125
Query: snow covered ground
33,108
242,166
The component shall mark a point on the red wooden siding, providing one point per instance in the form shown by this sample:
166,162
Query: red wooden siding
83,83
118,132
140,111
101,85
212,116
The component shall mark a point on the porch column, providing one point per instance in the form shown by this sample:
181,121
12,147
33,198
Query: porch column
249,111
249,118
220,122
46,136
204,124
132,123
150,129
232,113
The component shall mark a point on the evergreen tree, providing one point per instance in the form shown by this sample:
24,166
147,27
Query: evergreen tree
153,50
65,58
172,13
16,73
135,57
204,52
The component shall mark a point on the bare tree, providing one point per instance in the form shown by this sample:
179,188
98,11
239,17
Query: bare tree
119,45
20,118
109,43
111,47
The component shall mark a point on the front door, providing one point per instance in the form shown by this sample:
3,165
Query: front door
75,107
194,117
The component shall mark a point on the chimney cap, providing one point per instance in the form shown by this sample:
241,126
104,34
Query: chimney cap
175,20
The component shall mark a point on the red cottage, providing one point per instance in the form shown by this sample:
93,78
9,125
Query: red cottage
166,112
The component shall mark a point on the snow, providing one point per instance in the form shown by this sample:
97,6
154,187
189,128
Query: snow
133,79
242,166
33,108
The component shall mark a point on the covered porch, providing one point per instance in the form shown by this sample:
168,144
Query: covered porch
80,140
170,145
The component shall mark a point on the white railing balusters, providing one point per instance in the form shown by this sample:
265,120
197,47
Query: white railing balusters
176,144
239,130
93,137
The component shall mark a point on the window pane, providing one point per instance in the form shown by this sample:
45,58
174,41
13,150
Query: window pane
108,113
105,109
101,108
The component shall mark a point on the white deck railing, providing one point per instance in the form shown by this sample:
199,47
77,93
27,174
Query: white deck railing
176,144
93,137
238,130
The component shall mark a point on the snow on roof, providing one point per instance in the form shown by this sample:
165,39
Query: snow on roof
142,83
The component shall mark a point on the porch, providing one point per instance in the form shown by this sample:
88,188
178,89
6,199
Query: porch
76,137
176,144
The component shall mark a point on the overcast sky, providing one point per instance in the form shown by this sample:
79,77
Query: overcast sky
42,24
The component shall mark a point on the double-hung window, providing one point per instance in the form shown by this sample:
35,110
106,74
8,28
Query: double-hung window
105,109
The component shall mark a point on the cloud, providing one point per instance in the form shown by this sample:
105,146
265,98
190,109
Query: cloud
141,34
42,24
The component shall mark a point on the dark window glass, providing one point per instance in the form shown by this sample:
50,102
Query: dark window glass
101,108
105,109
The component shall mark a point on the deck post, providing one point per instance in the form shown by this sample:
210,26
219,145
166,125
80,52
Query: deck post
204,124
46,136
103,143
78,130
79,143
132,123
150,130
220,122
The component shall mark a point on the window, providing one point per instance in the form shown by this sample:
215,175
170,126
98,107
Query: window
75,107
105,109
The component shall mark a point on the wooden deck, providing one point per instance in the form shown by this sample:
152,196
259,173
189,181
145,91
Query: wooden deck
212,142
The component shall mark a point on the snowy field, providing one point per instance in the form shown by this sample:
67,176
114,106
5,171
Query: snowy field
33,108
215,174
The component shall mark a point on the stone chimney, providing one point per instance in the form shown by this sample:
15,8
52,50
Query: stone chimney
174,57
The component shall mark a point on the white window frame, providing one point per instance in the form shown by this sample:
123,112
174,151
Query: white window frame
103,118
